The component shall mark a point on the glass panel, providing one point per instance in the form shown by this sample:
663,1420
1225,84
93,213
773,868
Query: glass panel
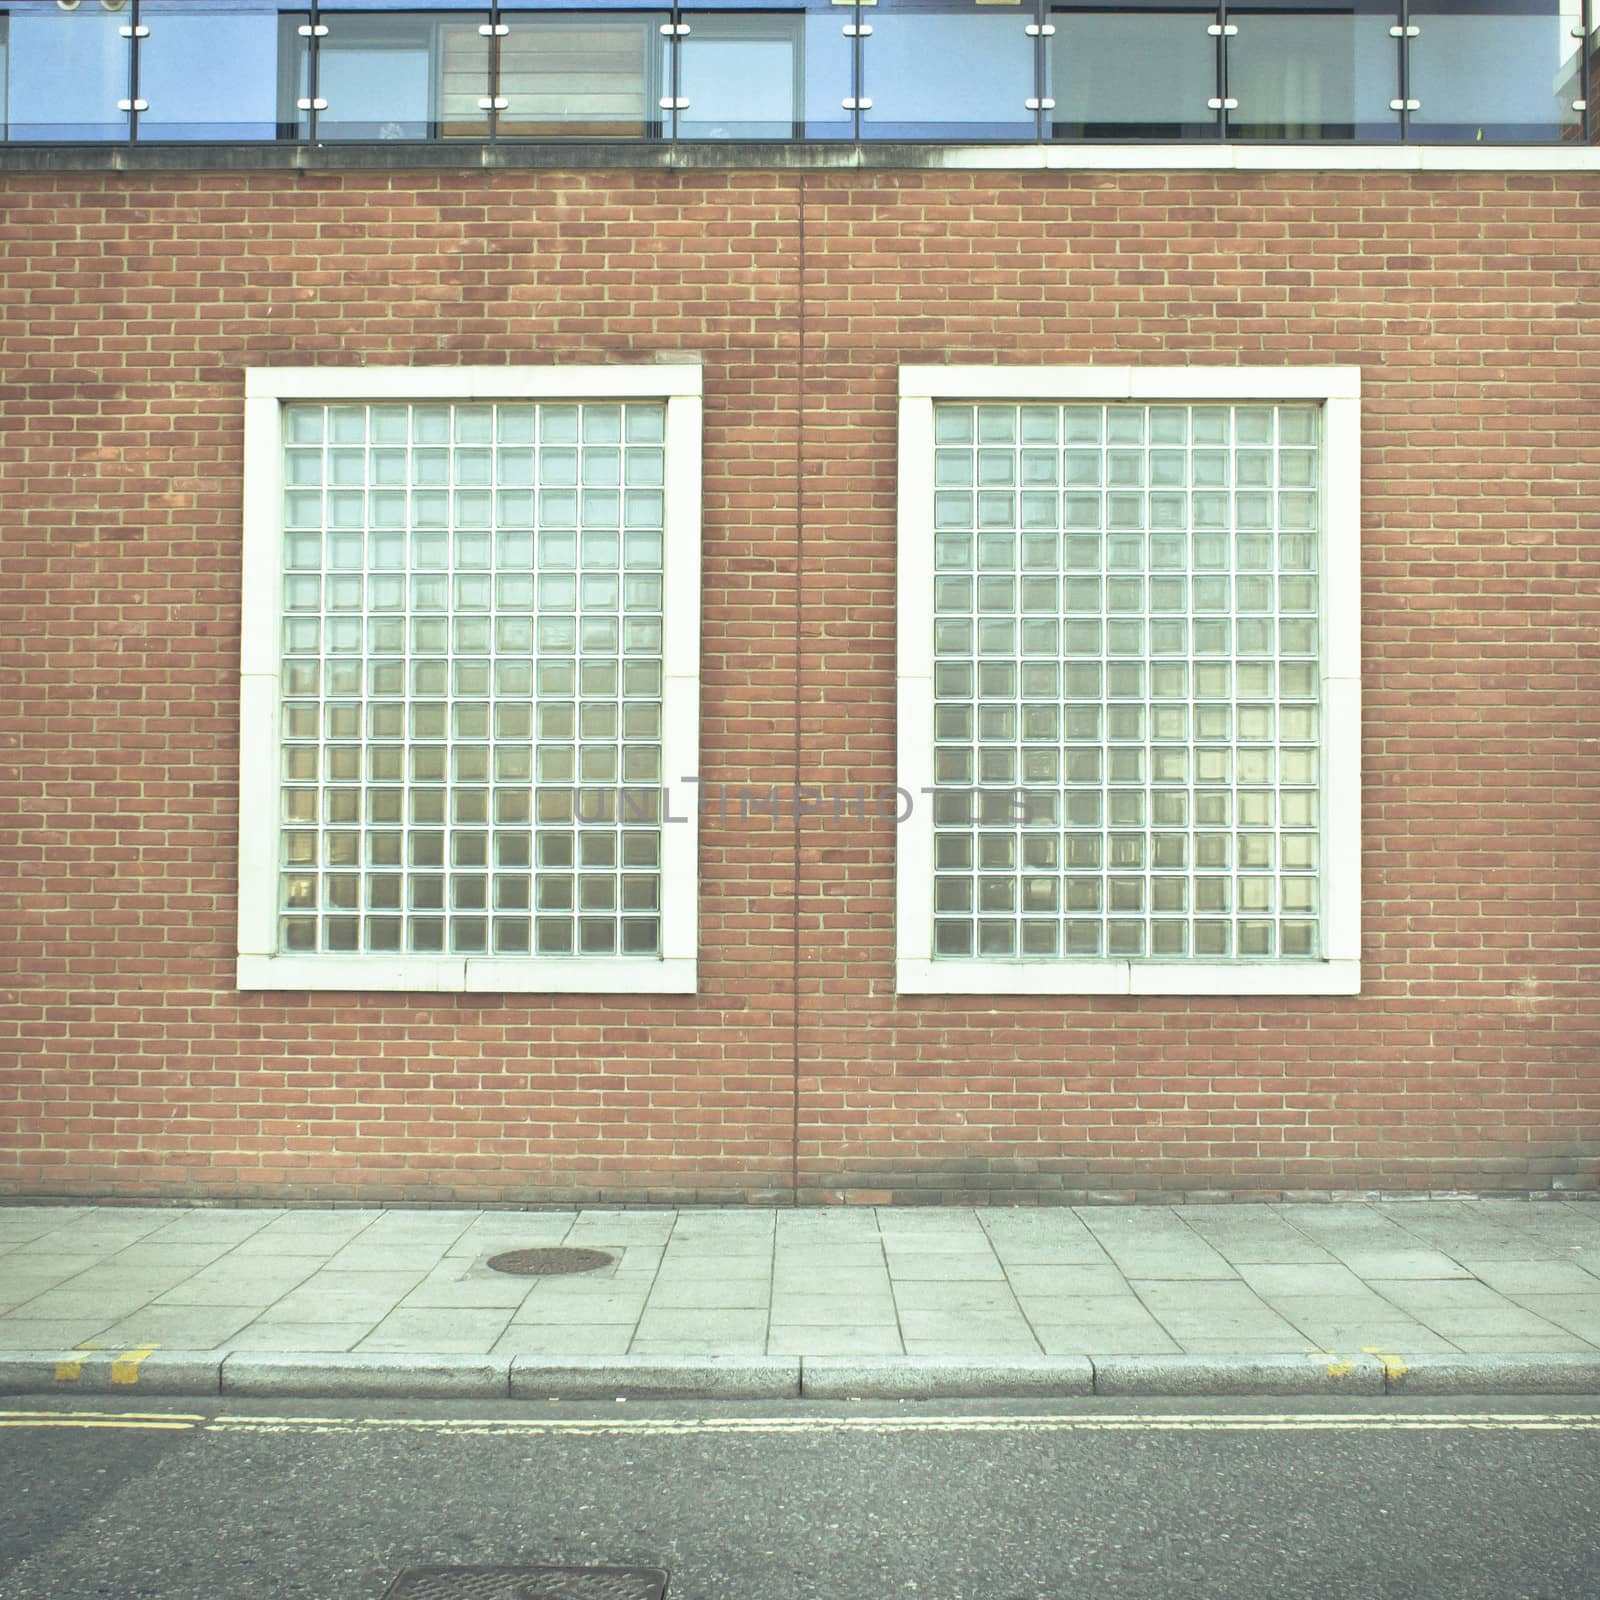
66,71
937,70
1140,74
743,77
582,77
1495,70
496,734
1328,73
209,71
402,75
1139,779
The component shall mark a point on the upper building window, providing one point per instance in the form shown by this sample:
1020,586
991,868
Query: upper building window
470,666
1129,639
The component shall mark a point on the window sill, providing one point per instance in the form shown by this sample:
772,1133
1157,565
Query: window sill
1128,977
469,974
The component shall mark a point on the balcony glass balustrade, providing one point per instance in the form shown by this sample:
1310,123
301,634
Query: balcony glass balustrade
949,71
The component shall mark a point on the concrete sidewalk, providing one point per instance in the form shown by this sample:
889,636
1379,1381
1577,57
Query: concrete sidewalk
1485,1295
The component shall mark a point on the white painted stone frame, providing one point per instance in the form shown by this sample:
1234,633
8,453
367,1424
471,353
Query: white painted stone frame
267,390
1338,389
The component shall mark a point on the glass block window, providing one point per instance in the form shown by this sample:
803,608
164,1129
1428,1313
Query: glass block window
472,679
469,682
1126,680
1124,667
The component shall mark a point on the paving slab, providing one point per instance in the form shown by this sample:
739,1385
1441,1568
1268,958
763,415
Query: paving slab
1033,1278
986,1348
1096,1339
710,1293
466,1285
1232,1286
443,1332
815,1278
980,1298
784,1339
1577,1313
564,1339
671,1323
181,1327
835,1310
851,1256
1380,1264
598,1309
1522,1276
944,1266
302,1337
712,1346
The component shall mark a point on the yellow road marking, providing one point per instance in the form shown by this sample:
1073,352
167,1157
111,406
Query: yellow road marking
125,1369
97,1422
69,1371
120,1416
1338,1366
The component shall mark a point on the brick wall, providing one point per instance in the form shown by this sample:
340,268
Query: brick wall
132,1067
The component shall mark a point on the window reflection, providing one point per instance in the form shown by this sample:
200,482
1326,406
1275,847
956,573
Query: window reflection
204,69
741,77
66,71
1327,72
1146,74
944,71
402,75
581,77
1495,70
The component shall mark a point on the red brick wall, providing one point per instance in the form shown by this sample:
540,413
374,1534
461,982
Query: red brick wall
129,1065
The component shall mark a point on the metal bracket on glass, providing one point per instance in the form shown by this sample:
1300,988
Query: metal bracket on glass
310,30
674,30
1405,105
1405,33
852,31
140,32
856,105
1580,105
670,102
311,105
1040,30
133,105
497,104
1040,105
1222,30
1230,104
494,30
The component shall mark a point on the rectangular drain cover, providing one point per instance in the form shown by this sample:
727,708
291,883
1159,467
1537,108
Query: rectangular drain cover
529,1583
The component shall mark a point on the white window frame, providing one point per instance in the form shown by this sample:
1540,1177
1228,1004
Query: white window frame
260,966
1338,389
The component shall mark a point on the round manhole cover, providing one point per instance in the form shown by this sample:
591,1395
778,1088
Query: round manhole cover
549,1261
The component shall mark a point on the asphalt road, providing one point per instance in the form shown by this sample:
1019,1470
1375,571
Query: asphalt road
1096,1500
